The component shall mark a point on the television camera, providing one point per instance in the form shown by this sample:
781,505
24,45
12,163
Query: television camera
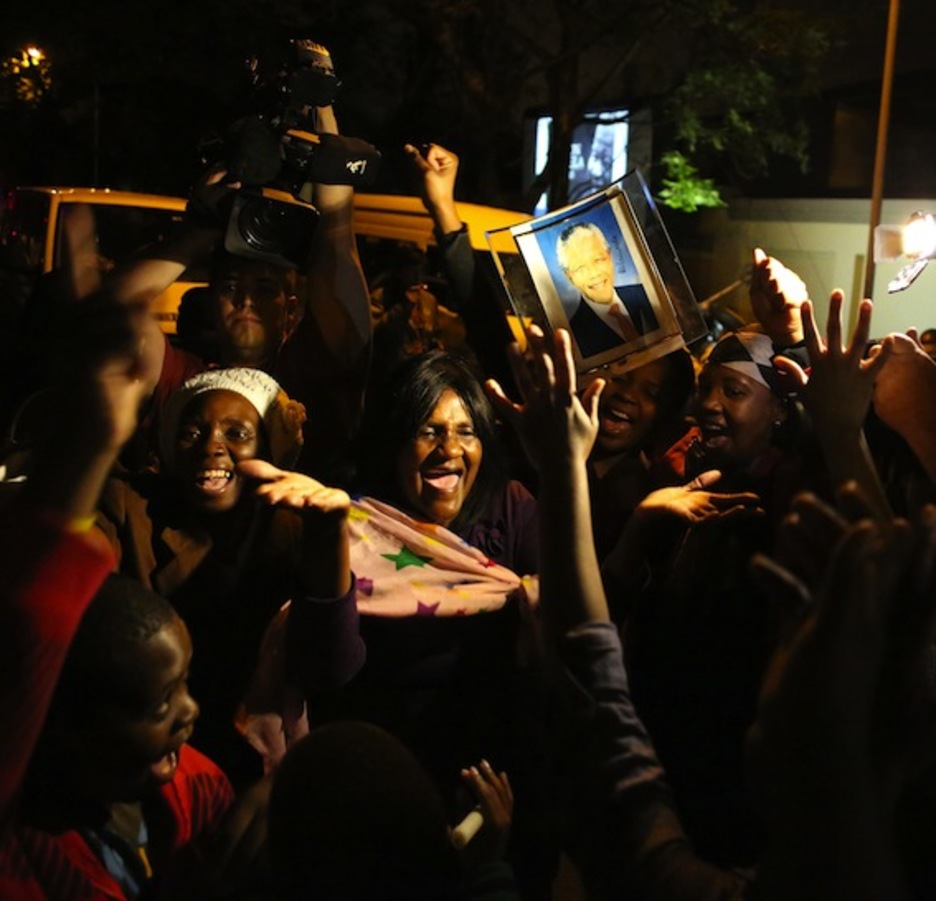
273,151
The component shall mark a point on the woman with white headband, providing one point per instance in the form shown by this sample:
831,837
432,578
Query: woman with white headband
228,534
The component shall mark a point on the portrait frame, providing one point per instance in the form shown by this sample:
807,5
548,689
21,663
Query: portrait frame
648,280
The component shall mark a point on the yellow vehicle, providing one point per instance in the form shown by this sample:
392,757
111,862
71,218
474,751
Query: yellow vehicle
32,236
403,219
32,233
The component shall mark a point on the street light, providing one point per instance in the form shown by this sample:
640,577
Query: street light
915,240
30,71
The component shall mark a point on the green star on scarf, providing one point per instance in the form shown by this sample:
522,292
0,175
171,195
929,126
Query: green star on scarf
406,558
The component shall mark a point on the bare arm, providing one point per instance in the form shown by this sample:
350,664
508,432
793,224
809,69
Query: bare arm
846,719
622,822
49,567
557,429
438,170
142,280
338,299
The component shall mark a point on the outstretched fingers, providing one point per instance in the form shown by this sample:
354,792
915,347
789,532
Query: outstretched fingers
498,397
814,344
859,340
834,323
563,365
282,488
703,480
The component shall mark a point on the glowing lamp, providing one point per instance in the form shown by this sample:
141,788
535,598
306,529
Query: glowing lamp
915,241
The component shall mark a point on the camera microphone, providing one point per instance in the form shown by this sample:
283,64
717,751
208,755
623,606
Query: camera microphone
333,159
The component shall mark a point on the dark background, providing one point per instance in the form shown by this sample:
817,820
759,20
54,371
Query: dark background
135,86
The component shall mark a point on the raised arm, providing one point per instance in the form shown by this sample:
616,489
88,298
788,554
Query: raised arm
50,567
777,295
142,280
437,169
338,299
557,429
846,720
837,395
623,828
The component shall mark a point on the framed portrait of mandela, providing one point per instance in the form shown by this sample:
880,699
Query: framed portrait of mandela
605,269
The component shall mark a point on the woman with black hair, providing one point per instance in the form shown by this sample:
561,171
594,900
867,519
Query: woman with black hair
640,411
430,446
445,676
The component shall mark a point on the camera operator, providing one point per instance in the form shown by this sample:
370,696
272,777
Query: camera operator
322,361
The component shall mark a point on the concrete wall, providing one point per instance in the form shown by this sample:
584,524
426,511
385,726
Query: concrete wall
825,241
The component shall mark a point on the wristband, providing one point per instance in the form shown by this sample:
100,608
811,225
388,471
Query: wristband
80,525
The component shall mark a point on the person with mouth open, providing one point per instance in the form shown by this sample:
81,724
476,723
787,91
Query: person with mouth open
608,314
699,627
639,411
228,534
101,793
443,677
696,629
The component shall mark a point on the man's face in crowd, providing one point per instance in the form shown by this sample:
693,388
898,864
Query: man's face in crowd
589,266
251,309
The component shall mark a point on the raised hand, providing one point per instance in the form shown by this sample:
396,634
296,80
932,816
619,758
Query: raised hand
438,170
693,503
323,567
838,391
777,294
293,490
806,541
494,796
905,397
847,717
99,383
555,425
211,200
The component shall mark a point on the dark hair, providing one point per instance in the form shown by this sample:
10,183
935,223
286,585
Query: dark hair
353,815
396,412
222,262
123,615
679,382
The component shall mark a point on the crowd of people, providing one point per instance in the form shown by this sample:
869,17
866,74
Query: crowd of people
276,616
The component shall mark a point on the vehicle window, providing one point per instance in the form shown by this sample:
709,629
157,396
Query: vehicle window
24,219
391,266
124,231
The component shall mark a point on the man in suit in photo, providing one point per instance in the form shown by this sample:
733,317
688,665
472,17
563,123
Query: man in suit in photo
607,315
